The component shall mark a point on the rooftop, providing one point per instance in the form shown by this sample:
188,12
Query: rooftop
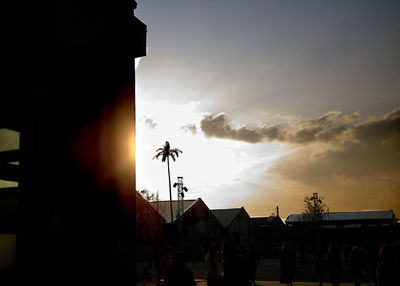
347,216
164,209
226,216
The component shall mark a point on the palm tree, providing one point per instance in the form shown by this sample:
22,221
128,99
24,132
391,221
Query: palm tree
165,152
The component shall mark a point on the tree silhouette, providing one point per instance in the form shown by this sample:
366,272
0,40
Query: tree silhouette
165,152
314,207
149,196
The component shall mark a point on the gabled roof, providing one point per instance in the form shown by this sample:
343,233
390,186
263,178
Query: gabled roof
226,216
163,208
144,210
347,216
149,223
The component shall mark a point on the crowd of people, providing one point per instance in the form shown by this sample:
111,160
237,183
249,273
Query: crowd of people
379,263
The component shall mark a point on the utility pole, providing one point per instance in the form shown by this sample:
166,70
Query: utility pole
275,230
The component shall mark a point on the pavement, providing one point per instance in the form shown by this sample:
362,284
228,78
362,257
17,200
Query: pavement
268,274
202,282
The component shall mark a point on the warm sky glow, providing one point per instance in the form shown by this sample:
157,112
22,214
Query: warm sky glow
212,168
272,100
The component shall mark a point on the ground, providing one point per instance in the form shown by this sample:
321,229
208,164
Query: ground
268,274
263,283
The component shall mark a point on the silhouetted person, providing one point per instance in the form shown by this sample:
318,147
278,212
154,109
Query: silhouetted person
319,266
346,253
252,260
211,262
356,265
373,257
165,262
389,269
288,263
396,263
334,265
178,274
236,270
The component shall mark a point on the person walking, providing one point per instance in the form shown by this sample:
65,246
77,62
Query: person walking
178,274
252,256
319,266
334,264
356,265
236,268
389,265
211,262
287,263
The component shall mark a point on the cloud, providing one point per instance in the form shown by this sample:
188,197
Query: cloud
376,130
150,123
362,172
219,127
332,127
353,163
190,128
324,128
355,176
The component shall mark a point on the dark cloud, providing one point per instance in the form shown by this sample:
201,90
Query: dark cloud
376,130
273,133
190,128
219,127
323,128
395,114
361,172
332,127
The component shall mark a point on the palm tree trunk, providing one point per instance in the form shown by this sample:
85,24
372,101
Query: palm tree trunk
170,193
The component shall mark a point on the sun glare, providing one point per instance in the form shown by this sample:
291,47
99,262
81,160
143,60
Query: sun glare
211,167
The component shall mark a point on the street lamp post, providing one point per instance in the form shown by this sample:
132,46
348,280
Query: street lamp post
181,195
317,217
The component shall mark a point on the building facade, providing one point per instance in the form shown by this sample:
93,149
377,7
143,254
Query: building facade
235,223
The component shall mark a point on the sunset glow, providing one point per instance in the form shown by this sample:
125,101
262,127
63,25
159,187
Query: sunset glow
272,101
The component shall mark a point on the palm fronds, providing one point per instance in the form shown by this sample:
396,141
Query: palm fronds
166,151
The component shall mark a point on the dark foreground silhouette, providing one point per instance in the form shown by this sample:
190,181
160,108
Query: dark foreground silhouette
179,274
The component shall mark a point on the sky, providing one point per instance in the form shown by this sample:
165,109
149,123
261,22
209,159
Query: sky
271,101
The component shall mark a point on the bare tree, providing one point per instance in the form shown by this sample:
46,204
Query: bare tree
149,196
314,207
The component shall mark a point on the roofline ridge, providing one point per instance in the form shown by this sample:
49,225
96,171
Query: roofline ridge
226,209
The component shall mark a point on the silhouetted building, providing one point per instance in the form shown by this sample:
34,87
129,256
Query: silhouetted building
71,97
267,233
358,226
149,223
235,223
381,218
199,227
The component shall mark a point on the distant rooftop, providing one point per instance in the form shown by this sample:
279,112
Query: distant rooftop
347,216
226,216
163,208
263,219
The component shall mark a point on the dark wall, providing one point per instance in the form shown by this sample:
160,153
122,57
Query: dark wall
71,71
